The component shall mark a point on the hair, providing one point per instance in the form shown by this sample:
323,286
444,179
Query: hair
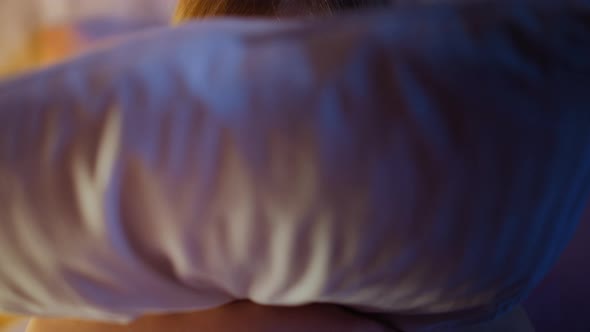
190,9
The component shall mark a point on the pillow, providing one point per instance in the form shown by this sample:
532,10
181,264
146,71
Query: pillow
424,162
561,300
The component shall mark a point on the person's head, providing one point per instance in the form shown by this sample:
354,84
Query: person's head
190,9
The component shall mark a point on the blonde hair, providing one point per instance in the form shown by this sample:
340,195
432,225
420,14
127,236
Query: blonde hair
191,9
203,8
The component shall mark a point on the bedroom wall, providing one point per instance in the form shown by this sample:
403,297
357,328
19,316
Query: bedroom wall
38,32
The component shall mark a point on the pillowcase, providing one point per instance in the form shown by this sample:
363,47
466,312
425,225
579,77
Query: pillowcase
429,161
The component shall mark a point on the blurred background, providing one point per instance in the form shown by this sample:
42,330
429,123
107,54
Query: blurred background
36,33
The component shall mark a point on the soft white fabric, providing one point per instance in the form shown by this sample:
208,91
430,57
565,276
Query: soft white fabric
429,160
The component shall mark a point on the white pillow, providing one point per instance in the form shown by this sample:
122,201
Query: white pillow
431,160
